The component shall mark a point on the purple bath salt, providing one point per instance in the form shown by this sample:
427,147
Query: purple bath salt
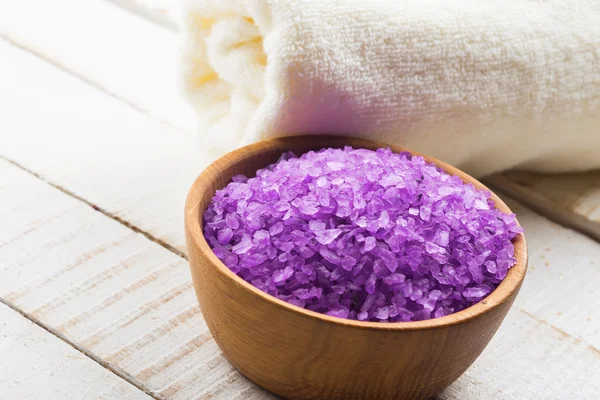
362,234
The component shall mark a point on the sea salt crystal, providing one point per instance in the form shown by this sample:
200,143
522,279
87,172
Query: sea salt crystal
328,235
340,313
243,246
382,313
367,235
225,235
281,275
370,243
232,221
348,263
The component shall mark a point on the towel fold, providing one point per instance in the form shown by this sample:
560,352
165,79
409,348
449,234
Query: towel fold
485,85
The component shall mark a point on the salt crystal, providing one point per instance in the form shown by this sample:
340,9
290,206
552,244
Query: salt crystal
276,229
309,207
281,275
327,236
478,291
382,313
425,213
244,245
370,283
394,279
340,313
384,219
369,244
225,235
348,263
232,221
368,302
389,258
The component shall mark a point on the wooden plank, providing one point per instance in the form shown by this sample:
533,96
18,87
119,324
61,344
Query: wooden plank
109,290
561,284
128,302
124,55
36,364
100,149
528,359
572,200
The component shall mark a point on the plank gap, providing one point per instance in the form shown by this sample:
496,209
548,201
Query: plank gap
110,215
85,80
121,374
560,331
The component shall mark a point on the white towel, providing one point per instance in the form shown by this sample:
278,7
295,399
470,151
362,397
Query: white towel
485,85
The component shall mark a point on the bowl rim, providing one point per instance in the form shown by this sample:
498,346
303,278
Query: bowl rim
504,292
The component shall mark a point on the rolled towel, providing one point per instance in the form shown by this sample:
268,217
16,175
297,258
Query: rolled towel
485,85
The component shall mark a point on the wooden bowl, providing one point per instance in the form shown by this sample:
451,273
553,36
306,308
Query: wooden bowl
301,354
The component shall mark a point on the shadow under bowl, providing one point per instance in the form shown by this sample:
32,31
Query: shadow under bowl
301,354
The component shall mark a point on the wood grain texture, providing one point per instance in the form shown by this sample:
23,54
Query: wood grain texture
529,359
100,149
141,318
36,364
114,50
300,354
572,200
111,292
561,288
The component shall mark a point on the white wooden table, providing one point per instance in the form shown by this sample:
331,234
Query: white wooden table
96,156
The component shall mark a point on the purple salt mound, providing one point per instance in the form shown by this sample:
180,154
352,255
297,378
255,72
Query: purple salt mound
361,234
